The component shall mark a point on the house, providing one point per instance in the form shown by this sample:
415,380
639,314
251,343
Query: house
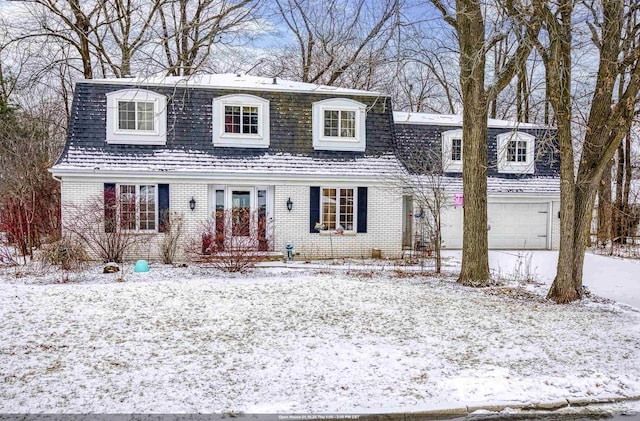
315,162
523,185
299,154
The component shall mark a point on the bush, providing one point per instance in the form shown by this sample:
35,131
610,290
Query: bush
66,253
173,233
94,225
232,240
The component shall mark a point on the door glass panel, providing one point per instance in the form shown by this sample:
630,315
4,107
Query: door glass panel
241,213
263,243
219,235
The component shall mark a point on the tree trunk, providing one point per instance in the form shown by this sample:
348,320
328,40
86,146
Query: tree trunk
628,169
618,216
475,248
558,71
605,207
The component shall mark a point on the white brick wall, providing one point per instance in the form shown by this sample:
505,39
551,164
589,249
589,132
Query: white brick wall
79,192
384,221
384,226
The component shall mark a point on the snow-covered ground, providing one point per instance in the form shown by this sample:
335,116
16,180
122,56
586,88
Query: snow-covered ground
610,277
290,340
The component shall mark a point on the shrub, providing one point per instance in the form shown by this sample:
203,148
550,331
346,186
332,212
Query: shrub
232,240
173,233
66,253
95,226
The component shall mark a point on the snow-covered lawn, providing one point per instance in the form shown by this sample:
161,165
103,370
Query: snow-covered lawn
193,340
610,277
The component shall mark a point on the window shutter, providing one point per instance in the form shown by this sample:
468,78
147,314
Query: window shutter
163,207
314,208
109,207
362,209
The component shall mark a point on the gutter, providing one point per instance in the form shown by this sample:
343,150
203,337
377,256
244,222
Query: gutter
213,176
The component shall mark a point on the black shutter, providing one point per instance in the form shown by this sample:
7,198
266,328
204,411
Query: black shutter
109,207
163,207
362,209
314,208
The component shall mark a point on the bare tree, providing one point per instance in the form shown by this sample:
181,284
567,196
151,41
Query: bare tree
189,29
422,178
336,42
468,21
607,124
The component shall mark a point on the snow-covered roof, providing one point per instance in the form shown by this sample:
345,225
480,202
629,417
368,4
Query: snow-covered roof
496,185
456,120
232,81
177,161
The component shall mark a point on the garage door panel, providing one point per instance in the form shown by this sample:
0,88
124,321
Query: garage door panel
512,226
518,225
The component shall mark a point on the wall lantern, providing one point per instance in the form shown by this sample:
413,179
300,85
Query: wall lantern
289,204
192,203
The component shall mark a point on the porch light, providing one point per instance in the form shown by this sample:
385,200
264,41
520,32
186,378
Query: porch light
289,204
192,203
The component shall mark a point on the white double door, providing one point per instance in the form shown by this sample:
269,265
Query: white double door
242,211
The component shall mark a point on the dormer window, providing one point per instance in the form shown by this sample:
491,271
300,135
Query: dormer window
339,124
456,149
241,121
516,153
136,117
452,151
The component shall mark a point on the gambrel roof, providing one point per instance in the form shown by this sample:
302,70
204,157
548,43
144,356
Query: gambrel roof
189,147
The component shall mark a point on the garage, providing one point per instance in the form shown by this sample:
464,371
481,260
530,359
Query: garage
518,225
512,225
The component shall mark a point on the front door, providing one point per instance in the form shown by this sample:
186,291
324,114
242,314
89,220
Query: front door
242,216
241,205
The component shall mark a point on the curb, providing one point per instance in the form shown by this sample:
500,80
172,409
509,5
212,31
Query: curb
464,411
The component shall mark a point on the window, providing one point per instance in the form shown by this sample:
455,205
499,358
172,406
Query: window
456,149
136,117
137,207
452,151
339,125
338,209
241,121
516,153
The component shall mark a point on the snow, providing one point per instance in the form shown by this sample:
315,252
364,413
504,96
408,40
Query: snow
609,277
538,186
232,81
400,117
193,339
198,163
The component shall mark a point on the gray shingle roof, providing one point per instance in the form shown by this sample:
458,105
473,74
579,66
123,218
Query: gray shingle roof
173,161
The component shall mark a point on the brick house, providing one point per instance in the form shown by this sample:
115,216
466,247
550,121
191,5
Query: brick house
296,154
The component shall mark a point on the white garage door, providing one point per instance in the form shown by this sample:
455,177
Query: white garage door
513,226
518,225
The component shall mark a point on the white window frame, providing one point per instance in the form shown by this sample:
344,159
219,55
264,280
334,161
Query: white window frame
241,140
448,164
137,196
157,136
337,221
357,143
514,167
